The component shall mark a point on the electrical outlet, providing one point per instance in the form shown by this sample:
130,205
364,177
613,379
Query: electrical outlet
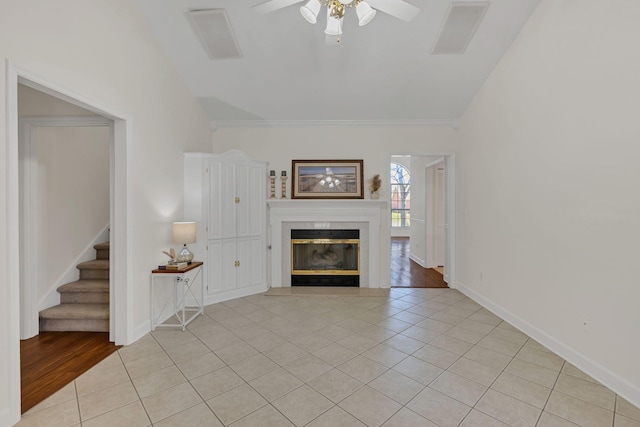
481,276
586,324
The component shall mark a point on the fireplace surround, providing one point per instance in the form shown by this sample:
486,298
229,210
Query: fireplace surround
369,217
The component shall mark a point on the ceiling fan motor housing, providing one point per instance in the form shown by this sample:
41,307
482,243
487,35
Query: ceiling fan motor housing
337,9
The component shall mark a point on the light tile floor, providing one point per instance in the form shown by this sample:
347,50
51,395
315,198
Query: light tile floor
419,357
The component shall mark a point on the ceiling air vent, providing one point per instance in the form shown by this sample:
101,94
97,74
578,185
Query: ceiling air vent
459,25
214,31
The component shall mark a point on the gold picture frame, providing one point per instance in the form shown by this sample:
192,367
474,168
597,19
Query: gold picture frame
327,179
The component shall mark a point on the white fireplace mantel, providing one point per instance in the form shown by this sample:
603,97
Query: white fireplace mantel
370,216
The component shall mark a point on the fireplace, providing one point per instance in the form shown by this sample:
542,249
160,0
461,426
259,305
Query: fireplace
325,257
369,217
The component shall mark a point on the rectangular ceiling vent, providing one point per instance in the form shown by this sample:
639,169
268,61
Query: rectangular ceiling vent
215,33
460,24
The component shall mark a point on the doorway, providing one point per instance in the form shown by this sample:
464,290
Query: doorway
429,245
64,211
64,197
120,171
435,219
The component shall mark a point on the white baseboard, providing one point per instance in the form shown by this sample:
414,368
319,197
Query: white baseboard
401,231
6,418
141,330
422,263
619,385
235,293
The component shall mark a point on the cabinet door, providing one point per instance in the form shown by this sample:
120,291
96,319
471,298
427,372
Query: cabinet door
257,194
243,176
251,259
214,267
214,213
229,264
221,267
228,200
250,188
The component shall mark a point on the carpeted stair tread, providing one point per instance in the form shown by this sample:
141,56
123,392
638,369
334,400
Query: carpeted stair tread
84,304
102,250
96,264
86,285
76,311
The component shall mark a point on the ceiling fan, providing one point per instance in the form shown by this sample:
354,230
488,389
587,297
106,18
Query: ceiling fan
365,10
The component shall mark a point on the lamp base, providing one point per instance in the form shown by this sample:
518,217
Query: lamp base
185,255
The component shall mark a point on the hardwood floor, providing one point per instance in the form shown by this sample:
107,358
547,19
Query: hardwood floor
52,360
408,274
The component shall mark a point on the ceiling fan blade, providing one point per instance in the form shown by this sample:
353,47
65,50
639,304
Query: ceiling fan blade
398,8
273,5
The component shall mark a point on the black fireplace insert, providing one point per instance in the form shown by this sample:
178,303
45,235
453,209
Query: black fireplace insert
323,257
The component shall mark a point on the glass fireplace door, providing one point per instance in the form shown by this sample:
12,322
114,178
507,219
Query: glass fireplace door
317,259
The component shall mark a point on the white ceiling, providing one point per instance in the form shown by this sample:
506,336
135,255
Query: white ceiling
383,72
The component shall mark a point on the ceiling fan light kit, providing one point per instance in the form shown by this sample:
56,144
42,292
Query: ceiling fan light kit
334,26
365,13
336,9
335,13
310,11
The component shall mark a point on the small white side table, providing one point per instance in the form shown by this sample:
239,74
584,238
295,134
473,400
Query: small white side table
184,281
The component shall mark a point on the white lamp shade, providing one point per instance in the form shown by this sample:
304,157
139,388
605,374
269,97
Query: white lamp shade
365,13
310,11
184,232
334,26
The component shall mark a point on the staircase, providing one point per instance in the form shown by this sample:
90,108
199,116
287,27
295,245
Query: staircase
84,304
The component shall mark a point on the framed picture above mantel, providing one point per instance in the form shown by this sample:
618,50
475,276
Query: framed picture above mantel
326,179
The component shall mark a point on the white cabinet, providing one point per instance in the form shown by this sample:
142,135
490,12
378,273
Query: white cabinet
226,195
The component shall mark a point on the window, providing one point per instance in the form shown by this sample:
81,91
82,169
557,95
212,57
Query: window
400,196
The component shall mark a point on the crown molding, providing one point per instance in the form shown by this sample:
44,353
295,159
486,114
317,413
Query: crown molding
453,123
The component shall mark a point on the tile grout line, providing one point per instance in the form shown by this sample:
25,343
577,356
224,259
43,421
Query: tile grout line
390,368
133,385
164,350
549,397
287,311
75,389
489,387
493,382
359,388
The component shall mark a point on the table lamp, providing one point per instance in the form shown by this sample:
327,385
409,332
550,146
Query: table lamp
183,233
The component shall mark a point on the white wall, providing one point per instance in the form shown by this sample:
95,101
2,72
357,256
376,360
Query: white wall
417,230
104,52
73,189
548,206
32,103
439,214
374,145
433,235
